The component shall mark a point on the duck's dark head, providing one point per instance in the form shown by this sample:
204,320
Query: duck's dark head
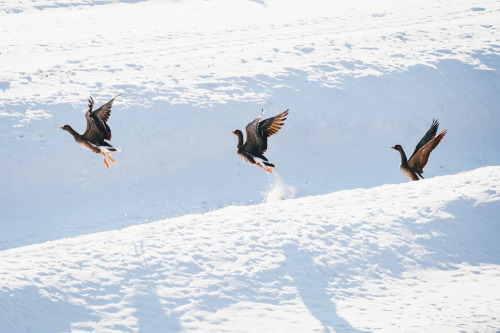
397,147
240,137
70,130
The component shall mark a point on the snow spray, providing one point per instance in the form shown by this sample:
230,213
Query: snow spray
278,190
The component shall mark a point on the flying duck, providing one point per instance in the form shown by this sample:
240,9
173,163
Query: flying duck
413,168
256,143
97,131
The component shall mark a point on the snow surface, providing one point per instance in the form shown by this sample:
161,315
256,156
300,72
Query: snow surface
347,250
411,257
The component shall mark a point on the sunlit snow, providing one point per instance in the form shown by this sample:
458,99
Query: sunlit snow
181,235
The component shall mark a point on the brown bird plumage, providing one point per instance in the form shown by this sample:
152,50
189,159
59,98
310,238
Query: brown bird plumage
97,130
414,166
256,142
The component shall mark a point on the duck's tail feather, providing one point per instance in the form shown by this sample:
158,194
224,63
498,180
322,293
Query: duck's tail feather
268,164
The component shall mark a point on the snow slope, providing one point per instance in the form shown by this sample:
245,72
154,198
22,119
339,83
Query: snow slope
411,257
358,77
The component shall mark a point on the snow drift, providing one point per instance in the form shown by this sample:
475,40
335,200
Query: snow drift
392,258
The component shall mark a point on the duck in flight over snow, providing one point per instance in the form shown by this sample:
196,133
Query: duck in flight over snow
98,131
256,142
413,168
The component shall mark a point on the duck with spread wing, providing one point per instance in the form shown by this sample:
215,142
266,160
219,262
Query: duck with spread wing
98,131
256,142
413,167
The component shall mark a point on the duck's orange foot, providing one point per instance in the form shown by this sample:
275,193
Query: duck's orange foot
105,162
265,168
112,160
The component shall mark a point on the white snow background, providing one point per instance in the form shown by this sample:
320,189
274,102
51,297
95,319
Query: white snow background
181,235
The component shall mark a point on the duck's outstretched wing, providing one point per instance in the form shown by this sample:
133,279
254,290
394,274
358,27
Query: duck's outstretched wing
272,125
91,103
253,140
258,132
419,159
97,129
104,111
431,133
269,127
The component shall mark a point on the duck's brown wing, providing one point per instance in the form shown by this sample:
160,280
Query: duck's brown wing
431,133
270,126
105,110
258,132
97,129
420,158
91,103
253,140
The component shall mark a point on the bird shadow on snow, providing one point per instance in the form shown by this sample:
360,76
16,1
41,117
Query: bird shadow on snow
150,313
296,272
22,316
469,234
312,286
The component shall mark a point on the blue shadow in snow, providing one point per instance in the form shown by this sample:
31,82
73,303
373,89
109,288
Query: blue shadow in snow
150,313
312,286
26,310
469,235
